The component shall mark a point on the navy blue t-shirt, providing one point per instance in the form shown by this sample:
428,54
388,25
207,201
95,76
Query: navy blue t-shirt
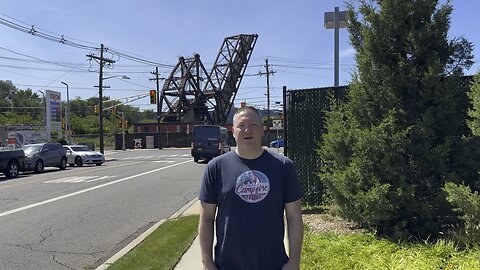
250,196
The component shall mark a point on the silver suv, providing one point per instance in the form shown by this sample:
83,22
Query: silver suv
41,155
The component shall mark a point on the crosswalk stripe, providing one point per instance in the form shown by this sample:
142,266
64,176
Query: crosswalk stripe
101,178
79,179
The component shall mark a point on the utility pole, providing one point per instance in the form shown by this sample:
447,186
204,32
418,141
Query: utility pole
159,107
101,61
267,72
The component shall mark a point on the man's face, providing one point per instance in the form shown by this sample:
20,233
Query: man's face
247,129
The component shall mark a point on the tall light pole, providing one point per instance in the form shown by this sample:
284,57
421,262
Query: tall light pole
44,113
124,145
335,20
67,116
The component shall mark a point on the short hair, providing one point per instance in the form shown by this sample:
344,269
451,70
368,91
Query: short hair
248,108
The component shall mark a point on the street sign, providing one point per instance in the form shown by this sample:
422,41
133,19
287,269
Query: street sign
277,124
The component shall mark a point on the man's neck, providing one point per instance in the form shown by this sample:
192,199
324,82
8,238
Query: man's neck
249,154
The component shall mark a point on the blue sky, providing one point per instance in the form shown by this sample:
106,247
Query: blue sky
291,36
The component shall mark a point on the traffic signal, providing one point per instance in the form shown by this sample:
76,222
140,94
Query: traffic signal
114,111
95,108
153,96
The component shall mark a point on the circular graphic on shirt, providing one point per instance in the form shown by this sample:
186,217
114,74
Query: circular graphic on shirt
252,186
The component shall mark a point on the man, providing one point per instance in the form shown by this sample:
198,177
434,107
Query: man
251,188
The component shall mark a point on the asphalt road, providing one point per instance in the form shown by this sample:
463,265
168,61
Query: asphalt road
80,217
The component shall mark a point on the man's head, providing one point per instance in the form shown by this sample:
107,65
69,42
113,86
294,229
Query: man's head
248,131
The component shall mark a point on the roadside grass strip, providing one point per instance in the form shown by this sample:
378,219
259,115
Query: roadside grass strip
330,251
163,248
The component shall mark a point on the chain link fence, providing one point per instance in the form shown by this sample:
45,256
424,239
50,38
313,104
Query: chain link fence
304,127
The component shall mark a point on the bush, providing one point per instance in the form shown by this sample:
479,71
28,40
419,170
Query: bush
467,204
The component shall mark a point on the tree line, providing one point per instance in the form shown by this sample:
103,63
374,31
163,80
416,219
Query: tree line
26,107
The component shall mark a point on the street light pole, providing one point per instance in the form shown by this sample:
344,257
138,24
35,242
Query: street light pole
100,96
124,146
67,116
336,20
44,113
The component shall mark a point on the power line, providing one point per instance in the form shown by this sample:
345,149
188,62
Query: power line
34,32
35,58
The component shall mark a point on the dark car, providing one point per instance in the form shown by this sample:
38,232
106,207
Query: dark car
209,141
276,143
41,155
11,162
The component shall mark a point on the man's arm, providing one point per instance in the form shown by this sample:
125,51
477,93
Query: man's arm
205,234
293,212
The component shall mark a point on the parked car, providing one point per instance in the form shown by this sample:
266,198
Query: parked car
81,154
11,162
209,141
276,143
41,155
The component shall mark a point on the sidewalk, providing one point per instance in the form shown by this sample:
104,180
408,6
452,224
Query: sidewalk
191,260
191,208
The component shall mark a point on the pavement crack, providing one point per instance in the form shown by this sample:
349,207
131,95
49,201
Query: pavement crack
45,234
124,242
62,264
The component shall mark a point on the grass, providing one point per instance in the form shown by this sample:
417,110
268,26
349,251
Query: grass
163,248
327,251
364,251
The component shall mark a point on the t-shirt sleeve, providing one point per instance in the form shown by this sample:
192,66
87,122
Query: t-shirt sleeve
208,192
293,187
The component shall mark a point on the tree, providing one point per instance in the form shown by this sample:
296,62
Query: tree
390,148
19,106
474,112
6,90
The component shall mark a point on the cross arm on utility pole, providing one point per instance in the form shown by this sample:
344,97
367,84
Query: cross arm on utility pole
101,60
267,72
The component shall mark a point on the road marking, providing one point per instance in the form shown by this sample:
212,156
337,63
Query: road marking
160,156
102,178
163,161
79,179
14,184
13,211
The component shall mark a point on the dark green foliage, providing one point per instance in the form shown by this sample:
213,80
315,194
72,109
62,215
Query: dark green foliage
467,204
401,135
474,112
19,107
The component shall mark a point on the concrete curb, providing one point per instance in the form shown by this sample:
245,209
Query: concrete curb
144,235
